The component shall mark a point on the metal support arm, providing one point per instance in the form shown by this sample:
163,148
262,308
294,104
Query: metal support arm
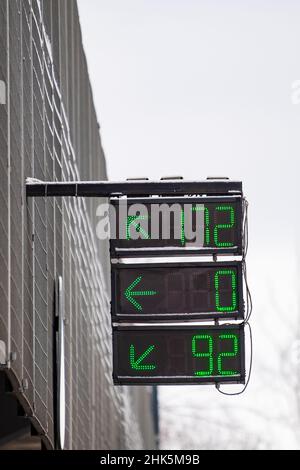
37,188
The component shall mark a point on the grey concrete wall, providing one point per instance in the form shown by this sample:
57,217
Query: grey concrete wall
49,130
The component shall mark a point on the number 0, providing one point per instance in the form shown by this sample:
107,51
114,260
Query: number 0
219,274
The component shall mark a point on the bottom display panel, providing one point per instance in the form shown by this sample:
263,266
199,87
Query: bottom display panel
178,354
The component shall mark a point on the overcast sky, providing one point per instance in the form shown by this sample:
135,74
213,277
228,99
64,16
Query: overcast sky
199,88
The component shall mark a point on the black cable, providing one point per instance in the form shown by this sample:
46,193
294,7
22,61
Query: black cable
250,369
249,304
245,250
245,205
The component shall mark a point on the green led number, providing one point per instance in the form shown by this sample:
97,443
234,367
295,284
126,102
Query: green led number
208,355
219,274
132,221
206,221
224,226
234,353
182,227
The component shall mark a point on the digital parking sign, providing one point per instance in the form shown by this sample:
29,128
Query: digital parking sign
173,291
176,226
178,354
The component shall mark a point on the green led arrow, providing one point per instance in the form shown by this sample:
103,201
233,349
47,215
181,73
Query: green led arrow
129,294
133,220
136,364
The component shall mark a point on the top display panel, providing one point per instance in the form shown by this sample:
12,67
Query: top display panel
176,226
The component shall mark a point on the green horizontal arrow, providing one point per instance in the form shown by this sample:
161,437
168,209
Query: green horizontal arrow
129,294
136,363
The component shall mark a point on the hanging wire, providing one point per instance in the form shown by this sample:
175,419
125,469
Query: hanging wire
250,368
249,304
245,205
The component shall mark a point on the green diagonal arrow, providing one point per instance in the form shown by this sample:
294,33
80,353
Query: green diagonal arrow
133,220
129,294
136,363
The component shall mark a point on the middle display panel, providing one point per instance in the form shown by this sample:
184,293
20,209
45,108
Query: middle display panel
177,291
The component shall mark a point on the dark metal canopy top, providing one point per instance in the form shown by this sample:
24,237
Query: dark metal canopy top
37,188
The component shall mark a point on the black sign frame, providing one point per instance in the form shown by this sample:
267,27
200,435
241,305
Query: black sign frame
178,380
118,317
120,252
